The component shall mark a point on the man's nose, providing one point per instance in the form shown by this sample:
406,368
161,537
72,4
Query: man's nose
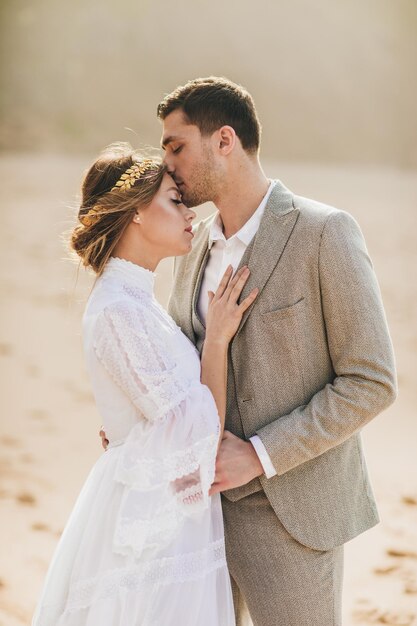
167,162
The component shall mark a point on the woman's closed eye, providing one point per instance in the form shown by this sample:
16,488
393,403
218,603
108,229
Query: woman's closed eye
176,201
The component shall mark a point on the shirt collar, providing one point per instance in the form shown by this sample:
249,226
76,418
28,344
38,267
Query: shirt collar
248,230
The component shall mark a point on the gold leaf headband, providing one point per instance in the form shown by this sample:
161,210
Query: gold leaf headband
90,217
125,182
132,174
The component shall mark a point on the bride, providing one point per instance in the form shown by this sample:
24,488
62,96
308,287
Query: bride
144,544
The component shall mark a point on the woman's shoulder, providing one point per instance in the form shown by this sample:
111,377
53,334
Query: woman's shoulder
120,308
113,302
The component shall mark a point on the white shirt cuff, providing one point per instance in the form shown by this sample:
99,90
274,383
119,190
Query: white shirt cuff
265,459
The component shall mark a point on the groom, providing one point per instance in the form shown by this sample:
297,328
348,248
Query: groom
310,365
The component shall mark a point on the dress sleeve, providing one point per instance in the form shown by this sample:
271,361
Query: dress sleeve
167,462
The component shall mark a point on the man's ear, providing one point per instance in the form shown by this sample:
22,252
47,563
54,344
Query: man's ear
226,139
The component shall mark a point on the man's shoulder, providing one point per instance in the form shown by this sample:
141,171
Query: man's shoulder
315,213
316,216
314,210
325,216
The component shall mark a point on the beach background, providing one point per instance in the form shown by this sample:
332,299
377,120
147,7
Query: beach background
335,84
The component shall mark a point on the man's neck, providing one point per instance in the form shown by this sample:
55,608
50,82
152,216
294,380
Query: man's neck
239,201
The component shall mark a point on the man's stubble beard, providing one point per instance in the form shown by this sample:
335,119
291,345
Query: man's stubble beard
203,182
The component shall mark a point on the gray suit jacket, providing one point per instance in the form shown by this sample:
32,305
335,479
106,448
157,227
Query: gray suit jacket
311,363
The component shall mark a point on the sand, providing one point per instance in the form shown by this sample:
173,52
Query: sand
49,424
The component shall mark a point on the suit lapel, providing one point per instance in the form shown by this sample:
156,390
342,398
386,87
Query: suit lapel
265,250
194,270
202,262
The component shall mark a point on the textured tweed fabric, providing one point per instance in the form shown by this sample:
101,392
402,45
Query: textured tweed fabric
277,580
311,364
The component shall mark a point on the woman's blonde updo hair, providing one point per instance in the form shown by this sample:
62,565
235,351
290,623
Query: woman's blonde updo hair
106,210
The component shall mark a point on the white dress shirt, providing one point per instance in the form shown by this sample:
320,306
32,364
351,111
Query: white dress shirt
225,252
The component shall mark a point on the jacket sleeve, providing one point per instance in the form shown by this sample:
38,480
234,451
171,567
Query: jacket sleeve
360,349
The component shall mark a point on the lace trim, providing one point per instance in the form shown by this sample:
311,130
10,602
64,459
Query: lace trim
190,495
130,273
185,495
146,474
164,571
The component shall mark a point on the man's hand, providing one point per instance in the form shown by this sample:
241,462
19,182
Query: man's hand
237,464
104,441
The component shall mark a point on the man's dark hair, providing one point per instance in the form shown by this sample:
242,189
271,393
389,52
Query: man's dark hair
213,102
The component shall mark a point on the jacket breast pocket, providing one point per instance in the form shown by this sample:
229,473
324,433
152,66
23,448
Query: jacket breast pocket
284,312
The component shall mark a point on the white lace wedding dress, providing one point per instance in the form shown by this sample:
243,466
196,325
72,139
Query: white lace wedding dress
144,545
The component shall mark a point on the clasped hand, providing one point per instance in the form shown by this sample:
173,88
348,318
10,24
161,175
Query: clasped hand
236,464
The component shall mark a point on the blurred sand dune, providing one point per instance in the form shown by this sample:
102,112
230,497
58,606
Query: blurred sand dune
332,81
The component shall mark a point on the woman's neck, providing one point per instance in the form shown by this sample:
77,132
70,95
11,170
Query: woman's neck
141,258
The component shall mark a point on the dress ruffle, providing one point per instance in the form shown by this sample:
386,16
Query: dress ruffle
164,571
79,587
167,470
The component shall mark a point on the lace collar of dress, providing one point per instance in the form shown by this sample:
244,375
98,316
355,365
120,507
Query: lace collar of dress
130,274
